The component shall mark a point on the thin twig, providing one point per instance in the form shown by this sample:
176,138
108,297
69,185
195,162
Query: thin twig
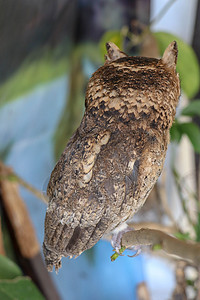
183,200
31,188
7,173
168,211
165,205
162,12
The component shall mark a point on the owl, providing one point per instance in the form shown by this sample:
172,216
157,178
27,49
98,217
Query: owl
115,157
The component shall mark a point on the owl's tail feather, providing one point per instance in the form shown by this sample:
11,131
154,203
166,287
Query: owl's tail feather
67,241
86,237
78,240
51,259
99,231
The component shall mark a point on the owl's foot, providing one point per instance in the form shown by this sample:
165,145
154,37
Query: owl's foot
116,240
137,250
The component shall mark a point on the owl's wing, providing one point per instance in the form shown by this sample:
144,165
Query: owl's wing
74,205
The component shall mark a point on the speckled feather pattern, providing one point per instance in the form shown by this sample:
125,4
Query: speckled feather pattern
113,160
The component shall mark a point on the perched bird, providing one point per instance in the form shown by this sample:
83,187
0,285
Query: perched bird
115,157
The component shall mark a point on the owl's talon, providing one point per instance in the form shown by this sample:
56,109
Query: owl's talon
116,240
138,251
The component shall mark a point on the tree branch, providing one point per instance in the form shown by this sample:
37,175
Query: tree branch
2,250
7,173
185,250
152,225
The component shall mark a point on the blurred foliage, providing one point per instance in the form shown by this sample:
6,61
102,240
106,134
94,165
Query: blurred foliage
7,239
192,109
74,107
5,151
156,247
8,269
20,288
14,286
35,70
197,227
188,128
182,236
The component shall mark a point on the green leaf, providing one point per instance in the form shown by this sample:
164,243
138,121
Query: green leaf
190,129
5,151
175,132
8,269
20,288
116,255
156,247
197,228
110,36
190,282
193,133
7,240
4,296
187,65
192,109
182,236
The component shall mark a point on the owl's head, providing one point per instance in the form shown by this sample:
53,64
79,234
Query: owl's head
133,87
169,58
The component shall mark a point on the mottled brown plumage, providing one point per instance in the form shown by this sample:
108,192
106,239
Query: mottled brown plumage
116,155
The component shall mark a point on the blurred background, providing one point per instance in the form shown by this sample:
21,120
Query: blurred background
48,51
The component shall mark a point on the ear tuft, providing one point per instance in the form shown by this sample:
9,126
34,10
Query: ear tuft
170,55
113,52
